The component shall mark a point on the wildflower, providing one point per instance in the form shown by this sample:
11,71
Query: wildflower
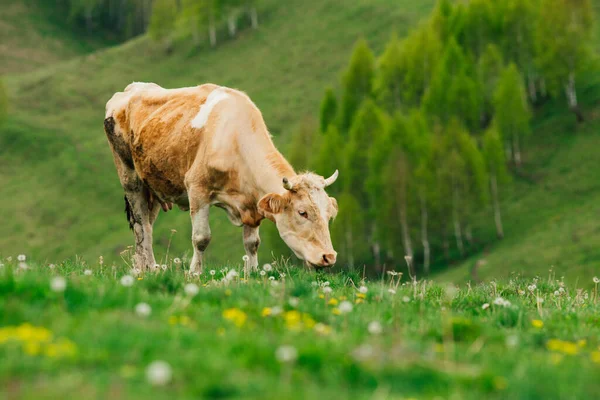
184,320
87,272
159,373
327,290
363,289
581,343
231,274
358,301
375,328
213,272
228,292
58,284
177,261
276,310
556,293
596,279
540,299
196,274
191,289
345,307
531,288
332,302
135,271
336,311
156,266
391,291
313,283
235,315
499,301
363,352
266,312
245,258
521,292
127,280
485,306
322,329
271,278
562,346
23,265
274,283
164,267
595,357
173,320
282,275
143,309
267,268
292,319
406,299
21,257
361,295
537,323
263,273
286,354
326,283
294,301
561,289
512,341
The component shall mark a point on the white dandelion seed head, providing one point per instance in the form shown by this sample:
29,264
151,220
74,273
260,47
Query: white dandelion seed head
282,275
143,310
271,278
345,307
1,265
263,273
267,267
286,354
363,352
294,301
58,284
196,274
21,257
485,306
596,279
375,328
213,272
556,293
136,271
159,373
87,272
512,341
23,265
9,258
521,292
51,266
164,267
245,258
177,260
274,283
391,291
406,299
326,283
231,274
321,328
561,289
276,310
156,266
191,289
531,288
127,280
313,283
540,300
327,290
363,289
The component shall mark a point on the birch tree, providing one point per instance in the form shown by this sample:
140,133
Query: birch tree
498,175
357,83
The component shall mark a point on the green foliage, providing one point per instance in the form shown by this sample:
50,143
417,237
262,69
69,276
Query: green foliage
162,23
491,65
3,102
300,153
493,151
330,156
388,84
329,110
357,82
512,113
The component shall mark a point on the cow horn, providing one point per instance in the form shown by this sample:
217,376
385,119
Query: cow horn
287,184
332,178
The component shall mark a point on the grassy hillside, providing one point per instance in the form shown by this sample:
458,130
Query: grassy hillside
62,196
34,35
59,171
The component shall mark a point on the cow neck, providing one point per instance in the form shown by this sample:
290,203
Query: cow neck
270,178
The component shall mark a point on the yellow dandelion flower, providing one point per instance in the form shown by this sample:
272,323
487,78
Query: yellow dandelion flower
570,348
581,343
333,302
173,320
308,322
235,315
266,312
228,292
140,278
321,296
32,348
361,295
358,301
537,323
342,298
595,357
336,311
292,319
554,344
322,329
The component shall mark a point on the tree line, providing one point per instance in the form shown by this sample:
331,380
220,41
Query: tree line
163,19
426,134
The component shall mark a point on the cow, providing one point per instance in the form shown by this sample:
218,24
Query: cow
204,146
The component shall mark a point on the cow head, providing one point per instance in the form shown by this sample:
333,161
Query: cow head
302,213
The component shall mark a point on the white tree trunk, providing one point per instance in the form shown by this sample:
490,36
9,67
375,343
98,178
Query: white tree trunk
231,24
496,202
376,246
456,221
212,34
407,242
570,91
254,17
425,236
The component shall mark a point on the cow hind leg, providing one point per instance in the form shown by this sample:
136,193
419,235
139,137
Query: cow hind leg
140,218
200,234
251,243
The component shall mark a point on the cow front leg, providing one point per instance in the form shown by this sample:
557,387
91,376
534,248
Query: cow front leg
251,243
200,235
139,214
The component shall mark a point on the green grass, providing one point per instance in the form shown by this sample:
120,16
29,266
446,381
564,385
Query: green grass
434,341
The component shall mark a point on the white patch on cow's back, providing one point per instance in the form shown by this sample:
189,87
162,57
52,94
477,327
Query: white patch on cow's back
213,99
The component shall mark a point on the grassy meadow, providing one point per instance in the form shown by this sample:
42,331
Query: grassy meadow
94,331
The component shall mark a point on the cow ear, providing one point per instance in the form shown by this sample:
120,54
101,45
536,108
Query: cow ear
334,207
271,203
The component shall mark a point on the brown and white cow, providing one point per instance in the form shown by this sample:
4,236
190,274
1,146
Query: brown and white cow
209,145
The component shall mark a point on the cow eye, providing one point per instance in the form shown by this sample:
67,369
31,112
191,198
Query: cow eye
303,214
